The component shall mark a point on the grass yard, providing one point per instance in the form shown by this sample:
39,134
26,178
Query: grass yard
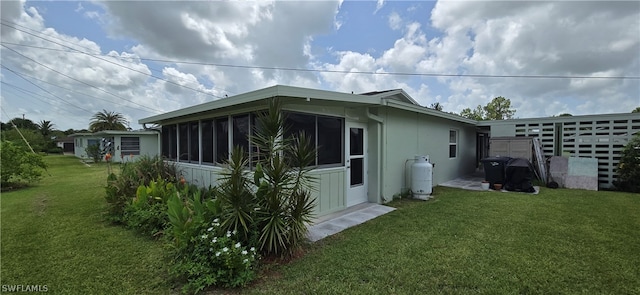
464,242
54,234
560,241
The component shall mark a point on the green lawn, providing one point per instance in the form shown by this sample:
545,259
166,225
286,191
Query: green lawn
560,241
54,234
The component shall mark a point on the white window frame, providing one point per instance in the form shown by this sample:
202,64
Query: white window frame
455,143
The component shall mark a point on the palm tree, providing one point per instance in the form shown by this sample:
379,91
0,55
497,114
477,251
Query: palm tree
45,127
436,106
106,120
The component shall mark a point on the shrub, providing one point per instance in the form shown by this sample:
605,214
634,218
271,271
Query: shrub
147,213
121,188
54,150
202,253
19,164
629,167
93,151
215,258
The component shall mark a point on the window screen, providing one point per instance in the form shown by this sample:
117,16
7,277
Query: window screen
222,139
330,140
183,146
206,128
194,142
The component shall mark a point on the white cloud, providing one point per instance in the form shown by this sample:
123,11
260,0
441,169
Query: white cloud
379,5
395,22
538,38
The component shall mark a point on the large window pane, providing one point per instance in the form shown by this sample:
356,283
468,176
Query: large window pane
207,141
356,141
194,142
296,123
165,148
183,146
357,171
330,140
241,132
173,142
222,139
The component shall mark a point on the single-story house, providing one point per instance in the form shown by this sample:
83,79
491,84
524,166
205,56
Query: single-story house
67,144
366,142
123,145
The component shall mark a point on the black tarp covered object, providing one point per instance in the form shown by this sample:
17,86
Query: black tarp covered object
518,175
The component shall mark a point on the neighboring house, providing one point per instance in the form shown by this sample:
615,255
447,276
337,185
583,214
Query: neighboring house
591,136
123,145
66,144
366,142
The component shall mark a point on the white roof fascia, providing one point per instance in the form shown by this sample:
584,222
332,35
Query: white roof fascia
428,111
269,92
117,132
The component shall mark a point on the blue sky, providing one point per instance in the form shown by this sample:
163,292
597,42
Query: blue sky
584,42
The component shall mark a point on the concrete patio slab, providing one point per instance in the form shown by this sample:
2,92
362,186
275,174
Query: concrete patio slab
334,223
472,182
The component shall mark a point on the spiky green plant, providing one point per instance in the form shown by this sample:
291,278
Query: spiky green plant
275,207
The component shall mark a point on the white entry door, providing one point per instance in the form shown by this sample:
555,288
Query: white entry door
356,160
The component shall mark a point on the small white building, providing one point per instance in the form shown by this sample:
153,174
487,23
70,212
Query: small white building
366,142
123,145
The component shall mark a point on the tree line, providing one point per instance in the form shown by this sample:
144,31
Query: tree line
499,108
42,135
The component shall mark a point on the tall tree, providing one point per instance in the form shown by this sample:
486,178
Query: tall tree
477,114
636,110
45,127
23,123
499,109
565,115
106,120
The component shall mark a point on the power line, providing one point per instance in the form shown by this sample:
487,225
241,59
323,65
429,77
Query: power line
31,94
45,90
117,64
79,81
73,91
329,71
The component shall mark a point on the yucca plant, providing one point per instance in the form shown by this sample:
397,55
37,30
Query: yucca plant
235,196
285,204
272,210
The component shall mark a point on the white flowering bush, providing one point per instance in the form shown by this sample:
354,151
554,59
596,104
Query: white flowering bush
214,258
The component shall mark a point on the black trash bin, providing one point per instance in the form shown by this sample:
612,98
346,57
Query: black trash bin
494,170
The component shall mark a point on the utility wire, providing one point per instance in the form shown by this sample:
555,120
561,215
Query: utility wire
18,129
70,90
351,72
79,81
335,71
45,90
78,51
111,62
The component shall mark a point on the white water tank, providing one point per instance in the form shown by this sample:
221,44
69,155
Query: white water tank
421,178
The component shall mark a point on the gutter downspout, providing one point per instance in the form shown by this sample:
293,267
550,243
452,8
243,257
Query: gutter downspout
380,156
